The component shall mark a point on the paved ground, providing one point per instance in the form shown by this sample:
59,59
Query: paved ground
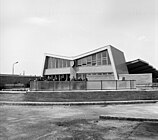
77,122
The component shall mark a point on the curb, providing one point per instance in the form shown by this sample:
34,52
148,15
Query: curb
104,117
77,103
13,92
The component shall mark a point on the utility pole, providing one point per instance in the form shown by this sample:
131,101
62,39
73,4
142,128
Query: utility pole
13,67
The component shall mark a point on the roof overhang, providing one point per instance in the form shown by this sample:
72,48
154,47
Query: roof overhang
58,56
78,56
140,66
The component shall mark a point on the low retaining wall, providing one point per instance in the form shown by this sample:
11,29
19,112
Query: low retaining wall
11,86
10,81
79,96
81,85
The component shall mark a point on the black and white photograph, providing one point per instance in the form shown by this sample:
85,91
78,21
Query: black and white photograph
78,69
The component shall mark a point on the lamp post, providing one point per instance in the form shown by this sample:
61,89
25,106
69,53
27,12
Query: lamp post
13,67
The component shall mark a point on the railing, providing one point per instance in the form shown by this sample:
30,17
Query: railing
81,85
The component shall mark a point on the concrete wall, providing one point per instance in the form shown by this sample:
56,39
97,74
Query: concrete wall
57,85
94,69
57,71
80,85
140,78
6,79
119,61
110,85
73,70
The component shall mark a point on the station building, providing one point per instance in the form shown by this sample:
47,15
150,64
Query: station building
105,63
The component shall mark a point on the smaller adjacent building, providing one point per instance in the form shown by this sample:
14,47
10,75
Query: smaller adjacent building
142,67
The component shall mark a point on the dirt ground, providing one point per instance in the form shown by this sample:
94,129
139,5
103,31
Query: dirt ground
77,122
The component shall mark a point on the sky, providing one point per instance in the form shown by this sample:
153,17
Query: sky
30,28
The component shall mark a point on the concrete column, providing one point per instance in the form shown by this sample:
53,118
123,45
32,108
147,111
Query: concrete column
72,70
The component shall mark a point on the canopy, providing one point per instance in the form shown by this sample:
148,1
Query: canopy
139,66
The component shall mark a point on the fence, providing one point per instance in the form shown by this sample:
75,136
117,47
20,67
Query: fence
81,85
148,86
13,81
11,86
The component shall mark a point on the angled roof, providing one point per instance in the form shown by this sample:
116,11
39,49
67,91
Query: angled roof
92,52
58,56
141,66
79,56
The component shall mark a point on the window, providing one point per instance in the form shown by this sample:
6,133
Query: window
110,73
104,54
60,63
53,62
99,59
93,59
93,73
56,61
99,73
68,63
104,58
104,61
49,62
64,63
89,60
84,61
79,62
78,75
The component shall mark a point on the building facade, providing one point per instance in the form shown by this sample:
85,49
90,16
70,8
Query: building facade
105,63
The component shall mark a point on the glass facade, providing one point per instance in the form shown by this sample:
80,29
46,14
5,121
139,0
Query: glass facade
85,75
57,63
97,59
107,73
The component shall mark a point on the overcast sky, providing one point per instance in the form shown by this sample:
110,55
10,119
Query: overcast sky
30,28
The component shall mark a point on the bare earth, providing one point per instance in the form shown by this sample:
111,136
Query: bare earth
77,122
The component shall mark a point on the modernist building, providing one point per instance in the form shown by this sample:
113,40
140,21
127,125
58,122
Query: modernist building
105,63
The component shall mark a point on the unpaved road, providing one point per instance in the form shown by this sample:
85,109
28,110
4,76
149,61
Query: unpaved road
77,122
